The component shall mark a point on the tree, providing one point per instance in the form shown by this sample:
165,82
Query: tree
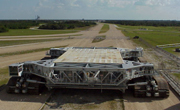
3,29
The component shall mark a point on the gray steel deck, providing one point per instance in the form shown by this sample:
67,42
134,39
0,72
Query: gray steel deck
91,56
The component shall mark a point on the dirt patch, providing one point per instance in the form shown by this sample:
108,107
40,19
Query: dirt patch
73,99
98,39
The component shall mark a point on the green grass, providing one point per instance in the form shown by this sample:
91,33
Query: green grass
18,42
80,106
104,29
4,81
21,32
112,104
154,35
177,75
29,51
40,37
123,106
4,76
172,50
98,39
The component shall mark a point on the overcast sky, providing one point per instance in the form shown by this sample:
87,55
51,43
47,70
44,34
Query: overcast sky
91,9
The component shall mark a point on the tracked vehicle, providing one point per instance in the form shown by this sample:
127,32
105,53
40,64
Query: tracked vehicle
88,68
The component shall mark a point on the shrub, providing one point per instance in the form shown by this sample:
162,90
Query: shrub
3,29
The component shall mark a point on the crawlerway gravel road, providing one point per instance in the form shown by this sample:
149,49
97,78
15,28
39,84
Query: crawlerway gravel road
86,99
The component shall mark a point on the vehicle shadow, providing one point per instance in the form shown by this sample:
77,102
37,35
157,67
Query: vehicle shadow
157,103
4,96
175,107
128,96
79,97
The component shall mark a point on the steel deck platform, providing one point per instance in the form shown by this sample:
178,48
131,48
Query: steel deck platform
103,56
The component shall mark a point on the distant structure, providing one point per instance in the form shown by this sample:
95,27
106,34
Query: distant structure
37,17
99,21
143,29
136,37
177,49
83,20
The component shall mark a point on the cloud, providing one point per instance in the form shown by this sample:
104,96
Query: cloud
156,2
89,3
98,9
159,2
140,2
48,4
104,8
120,3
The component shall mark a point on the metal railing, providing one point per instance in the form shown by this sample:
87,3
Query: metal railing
173,82
160,49
172,56
169,45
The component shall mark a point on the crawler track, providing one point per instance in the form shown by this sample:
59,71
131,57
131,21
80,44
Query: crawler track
162,86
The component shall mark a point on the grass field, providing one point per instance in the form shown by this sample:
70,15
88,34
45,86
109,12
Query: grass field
4,76
29,51
172,50
104,29
177,75
21,32
98,39
18,42
153,35
20,37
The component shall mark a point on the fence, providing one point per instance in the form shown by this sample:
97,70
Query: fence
173,82
169,45
159,48
172,56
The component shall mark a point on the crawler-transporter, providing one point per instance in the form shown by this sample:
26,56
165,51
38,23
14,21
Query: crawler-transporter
88,68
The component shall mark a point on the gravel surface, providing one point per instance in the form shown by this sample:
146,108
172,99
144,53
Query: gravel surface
72,99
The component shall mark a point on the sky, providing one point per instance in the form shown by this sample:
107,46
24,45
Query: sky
91,9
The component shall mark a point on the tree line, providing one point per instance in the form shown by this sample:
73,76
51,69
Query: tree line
56,25
3,29
145,22
5,25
